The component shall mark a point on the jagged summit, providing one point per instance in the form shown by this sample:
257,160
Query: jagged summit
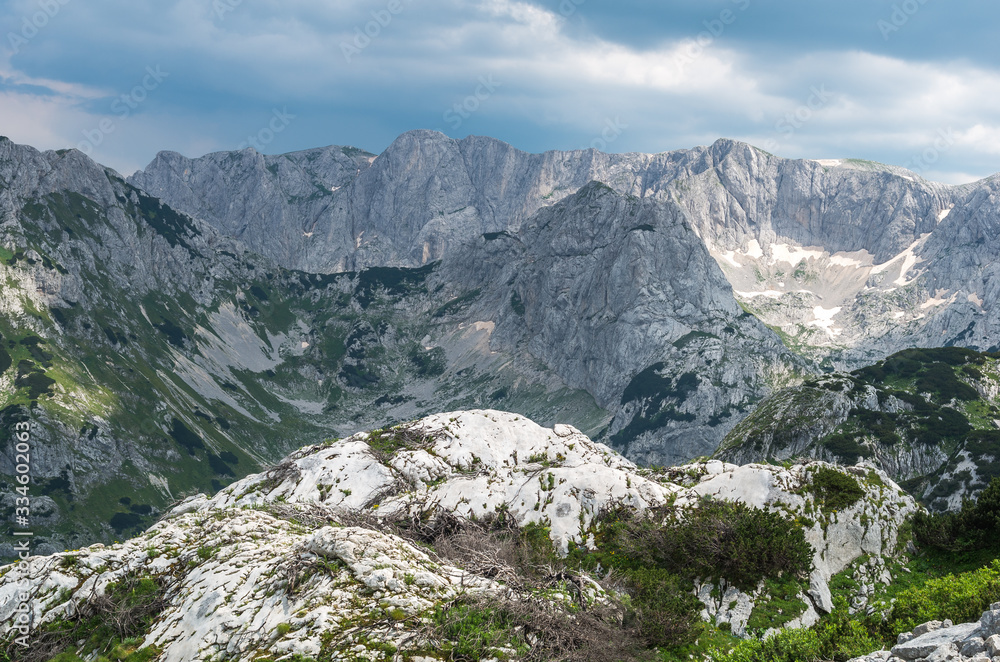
815,248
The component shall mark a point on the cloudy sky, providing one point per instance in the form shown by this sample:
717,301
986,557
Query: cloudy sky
907,82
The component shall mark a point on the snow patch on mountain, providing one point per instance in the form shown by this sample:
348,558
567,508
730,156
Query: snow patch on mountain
794,254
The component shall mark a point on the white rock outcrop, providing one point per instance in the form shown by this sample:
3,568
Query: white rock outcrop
471,463
244,578
868,527
938,641
243,583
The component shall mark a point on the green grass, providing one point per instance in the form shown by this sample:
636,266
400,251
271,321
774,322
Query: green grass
476,631
917,597
779,604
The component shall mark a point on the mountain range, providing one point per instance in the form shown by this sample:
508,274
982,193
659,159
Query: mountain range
172,331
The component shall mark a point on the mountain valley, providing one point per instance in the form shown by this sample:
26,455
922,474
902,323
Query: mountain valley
172,332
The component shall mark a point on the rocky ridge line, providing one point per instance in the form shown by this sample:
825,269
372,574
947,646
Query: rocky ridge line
264,568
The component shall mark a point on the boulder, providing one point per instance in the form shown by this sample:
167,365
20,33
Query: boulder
933,638
993,645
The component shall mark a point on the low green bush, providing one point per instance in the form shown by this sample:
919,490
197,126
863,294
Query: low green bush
962,598
714,540
843,635
664,611
785,646
835,490
974,527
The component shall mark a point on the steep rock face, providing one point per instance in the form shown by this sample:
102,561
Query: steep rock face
270,203
619,297
604,297
852,260
153,356
424,194
849,260
84,257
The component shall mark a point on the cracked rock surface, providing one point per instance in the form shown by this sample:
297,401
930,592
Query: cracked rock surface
264,568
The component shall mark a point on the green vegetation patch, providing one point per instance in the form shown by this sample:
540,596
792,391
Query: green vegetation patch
659,609
688,338
962,598
841,635
184,436
714,540
477,630
933,370
33,379
516,304
647,384
169,224
385,443
779,604
428,363
659,395
5,359
835,490
458,303
846,447
975,526
393,281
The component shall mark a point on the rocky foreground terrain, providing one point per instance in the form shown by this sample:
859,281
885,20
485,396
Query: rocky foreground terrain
937,641
314,559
